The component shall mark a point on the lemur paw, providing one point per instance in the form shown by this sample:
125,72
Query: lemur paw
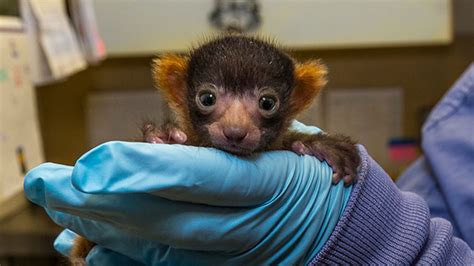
166,134
339,152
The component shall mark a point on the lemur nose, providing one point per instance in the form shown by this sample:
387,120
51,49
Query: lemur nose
235,134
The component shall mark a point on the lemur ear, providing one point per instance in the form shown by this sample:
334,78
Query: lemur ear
310,78
169,73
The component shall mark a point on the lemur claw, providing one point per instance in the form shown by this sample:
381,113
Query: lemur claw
342,156
166,135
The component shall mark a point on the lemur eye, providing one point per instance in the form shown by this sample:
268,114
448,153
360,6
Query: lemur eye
207,98
268,104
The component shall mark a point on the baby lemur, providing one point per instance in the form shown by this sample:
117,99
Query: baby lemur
240,94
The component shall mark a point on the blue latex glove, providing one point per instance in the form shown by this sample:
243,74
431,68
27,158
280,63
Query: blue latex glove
171,204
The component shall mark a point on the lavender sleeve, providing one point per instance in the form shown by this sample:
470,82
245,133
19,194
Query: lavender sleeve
444,176
383,225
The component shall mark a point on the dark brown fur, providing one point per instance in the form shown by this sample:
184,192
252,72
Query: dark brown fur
240,70
80,250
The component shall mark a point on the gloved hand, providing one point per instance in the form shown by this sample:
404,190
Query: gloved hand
172,204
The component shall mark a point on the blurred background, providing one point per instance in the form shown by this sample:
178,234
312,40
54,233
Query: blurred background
76,73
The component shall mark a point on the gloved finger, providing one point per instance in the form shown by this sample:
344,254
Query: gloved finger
51,178
64,242
118,247
180,224
174,223
191,174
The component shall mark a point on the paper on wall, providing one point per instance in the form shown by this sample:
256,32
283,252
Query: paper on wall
20,142
40,72
57,38
84,21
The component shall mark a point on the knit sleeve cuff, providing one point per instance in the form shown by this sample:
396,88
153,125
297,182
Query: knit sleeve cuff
380,224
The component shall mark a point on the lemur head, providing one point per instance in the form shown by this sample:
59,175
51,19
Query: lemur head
237,93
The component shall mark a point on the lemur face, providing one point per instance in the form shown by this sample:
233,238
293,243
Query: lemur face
237,90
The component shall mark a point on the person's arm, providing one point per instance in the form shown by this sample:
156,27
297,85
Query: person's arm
444,177
383,225
210,207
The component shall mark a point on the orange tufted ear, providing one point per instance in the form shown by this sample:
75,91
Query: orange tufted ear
310,78
169,73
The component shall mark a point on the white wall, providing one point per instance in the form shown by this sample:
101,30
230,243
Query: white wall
150,26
